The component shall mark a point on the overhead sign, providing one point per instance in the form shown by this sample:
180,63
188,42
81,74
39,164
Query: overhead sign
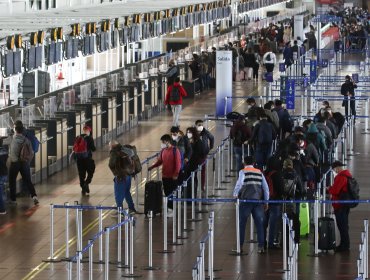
224,82
290,94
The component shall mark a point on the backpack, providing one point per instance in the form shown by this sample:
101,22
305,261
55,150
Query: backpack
80,148
265,132
26,154
353,192
233,116
239,137
286,122
268,177
268,57
35,143
175,94
136,163
289,188
340,120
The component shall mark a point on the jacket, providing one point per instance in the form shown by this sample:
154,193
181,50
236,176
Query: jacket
328,136
251,184
321,145
240,126
196,156
171,74
208,140
266,125
15,147
339,186
277,182
170,159
183,144
168,95
274,118
348,88
312,156
90,144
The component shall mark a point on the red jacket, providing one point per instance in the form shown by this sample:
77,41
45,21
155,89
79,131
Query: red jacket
182,94
339,186
170,159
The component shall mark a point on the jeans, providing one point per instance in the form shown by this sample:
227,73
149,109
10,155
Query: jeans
341,215
24,169
263,152
176,110
3,179
274,214
238,152
85,166
169,185
258,215
205,80
352,106
122,191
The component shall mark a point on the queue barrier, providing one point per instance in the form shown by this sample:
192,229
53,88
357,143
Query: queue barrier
363,259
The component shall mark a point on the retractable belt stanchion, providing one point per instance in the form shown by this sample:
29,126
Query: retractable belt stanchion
106,265
131,269
78,266
237,252
119,239
219,171
100,261
150,251
179,215
67,230
51,257
165,227
91,258
223,175
200,210
193,195
214,176
126,262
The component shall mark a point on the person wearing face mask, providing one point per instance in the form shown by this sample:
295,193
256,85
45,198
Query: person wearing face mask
196,156
170,159
182,143
86,165
341,211
208,141
348,91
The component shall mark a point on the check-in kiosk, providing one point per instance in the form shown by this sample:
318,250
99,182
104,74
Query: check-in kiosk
108,116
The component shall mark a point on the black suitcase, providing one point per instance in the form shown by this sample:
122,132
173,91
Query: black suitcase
153,197
326,234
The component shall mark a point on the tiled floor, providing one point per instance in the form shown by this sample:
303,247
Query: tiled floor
24,232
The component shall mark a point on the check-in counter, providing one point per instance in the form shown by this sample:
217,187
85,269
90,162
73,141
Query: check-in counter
108,116
54,152
93,115
40,159
138,86
162,90
132,104
121,108
182,70
68,132
72,117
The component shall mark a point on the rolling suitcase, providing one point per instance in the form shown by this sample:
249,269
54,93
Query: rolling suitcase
304,218
326,234
153,197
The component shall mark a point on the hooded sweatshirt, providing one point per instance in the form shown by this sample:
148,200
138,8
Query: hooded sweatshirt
15,147
168,95
339,186
320,138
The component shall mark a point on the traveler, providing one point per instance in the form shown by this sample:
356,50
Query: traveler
172,72
122,180
196,70
348,91
19,165
208,141
174,96
82,149
269,60
3,175
249,62
252,108
180,141
170,159
285,121
272,116
288,55
239,133
341,211
252,185
262,136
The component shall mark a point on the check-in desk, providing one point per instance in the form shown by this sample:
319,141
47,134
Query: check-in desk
56,149
122,109
162,90
40,160
132,104
138,86
93,114
182,70
108,116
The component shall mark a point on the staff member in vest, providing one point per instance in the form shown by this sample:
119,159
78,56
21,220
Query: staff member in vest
348,91
252,185
341,211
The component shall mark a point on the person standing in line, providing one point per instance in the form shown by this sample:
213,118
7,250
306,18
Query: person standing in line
269,60
3,175
170,159
252,185
239,133
122,182
348,91
85,163
341,211
208,141
19,166
174,96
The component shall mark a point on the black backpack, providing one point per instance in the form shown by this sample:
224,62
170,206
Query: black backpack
175,94
268,57
289,188
353,192
287,123
265,133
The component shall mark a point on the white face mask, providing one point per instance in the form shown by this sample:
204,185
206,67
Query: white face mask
190,135
163,146
200,128
175,137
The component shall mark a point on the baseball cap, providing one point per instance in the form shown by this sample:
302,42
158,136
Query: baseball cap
86,127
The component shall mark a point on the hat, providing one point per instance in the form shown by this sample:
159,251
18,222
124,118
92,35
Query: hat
288,163
86,127
337,163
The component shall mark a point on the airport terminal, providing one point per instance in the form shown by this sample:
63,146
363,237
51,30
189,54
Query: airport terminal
158,139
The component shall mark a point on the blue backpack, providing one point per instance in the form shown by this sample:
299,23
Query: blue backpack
35,143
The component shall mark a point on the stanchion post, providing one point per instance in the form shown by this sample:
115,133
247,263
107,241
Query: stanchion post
237,252
193,195
285,266
106,266
100,261
210,245
366,224
91,258
316,212
131,273
78,262
150,257
67,230
136,177
119,237
165,227
51,257
69,269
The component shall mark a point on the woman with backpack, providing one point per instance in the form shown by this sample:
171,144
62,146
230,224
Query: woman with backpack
174,96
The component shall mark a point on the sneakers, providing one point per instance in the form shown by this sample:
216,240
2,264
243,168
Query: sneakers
261,250
87,189
169,213
35,200
132,211
2,212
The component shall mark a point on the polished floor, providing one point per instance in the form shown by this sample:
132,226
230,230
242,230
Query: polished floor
24,232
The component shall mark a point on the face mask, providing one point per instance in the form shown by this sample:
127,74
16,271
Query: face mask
190,135
200,128
175,137
163,146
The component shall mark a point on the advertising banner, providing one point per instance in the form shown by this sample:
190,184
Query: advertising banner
224,82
